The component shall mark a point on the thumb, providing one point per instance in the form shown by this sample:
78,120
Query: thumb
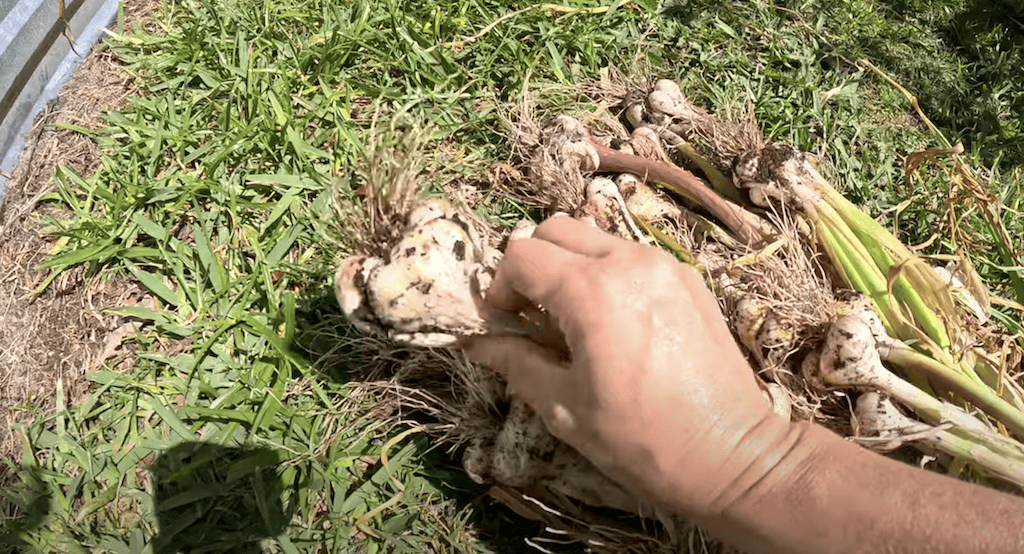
537,375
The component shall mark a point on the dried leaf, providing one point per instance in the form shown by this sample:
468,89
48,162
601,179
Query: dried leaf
915,159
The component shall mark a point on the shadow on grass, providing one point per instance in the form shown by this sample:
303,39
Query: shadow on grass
210,498
326,339
982,100
23,507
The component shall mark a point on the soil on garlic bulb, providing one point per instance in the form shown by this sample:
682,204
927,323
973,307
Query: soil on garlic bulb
426,292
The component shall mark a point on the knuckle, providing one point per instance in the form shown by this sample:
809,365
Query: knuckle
594,278
552,226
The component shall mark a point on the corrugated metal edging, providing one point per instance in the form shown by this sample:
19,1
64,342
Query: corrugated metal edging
36,58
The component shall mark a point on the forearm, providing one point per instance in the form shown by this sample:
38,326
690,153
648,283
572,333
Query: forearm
830,496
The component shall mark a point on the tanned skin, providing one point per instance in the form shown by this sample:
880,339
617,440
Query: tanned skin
655,392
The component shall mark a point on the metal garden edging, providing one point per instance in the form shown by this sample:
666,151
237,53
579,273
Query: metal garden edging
36,58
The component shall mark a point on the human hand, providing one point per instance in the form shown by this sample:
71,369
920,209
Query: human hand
654,390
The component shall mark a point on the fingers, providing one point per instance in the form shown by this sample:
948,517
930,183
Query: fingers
703,300
548,334
707,305
532,323
577,236
532,269
533,272
535,374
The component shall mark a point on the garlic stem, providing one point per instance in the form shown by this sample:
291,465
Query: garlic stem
850,359
1001,459
898,353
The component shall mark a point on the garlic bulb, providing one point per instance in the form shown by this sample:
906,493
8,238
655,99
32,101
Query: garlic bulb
427,292
606,208
524,454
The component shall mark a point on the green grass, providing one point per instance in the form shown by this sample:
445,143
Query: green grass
237,416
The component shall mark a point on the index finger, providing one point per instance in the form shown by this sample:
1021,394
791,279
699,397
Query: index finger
577,236
533,272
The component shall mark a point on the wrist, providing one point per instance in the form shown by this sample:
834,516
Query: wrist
770,454
822,494
776,454
777,460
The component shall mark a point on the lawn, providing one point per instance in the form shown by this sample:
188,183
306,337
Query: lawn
236,419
